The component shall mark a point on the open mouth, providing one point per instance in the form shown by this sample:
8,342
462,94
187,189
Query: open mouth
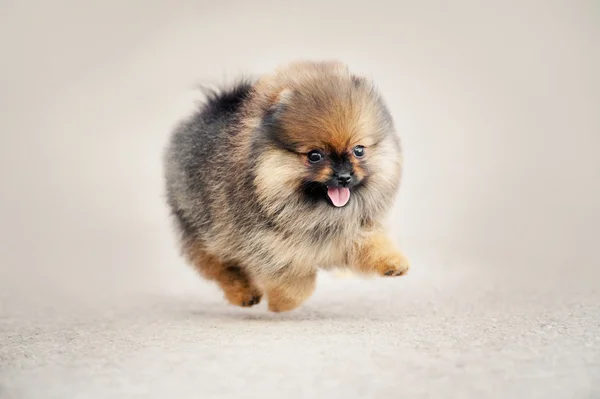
339,196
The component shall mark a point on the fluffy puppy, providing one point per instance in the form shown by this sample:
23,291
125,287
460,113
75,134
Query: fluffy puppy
275,178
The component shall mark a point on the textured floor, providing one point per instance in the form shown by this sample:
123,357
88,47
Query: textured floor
456,333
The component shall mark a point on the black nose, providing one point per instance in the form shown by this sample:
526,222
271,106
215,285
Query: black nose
344,179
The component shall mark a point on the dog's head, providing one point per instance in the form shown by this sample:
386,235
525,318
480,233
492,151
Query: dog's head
324,144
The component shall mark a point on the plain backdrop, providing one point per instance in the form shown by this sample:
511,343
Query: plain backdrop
497,104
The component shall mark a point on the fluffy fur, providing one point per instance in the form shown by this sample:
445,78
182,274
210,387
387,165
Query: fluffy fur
253,210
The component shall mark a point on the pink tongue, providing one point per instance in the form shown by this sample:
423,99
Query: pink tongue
339,196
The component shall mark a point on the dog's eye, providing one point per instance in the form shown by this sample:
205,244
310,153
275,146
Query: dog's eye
315,156
359,151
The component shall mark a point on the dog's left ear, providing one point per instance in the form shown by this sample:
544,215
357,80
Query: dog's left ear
358,80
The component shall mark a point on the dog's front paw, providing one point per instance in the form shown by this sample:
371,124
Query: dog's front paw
379,255
393,266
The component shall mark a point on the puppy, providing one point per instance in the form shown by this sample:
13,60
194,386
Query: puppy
275,178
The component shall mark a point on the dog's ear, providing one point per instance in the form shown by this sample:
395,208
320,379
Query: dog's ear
272,118
358,81
279,104
282,99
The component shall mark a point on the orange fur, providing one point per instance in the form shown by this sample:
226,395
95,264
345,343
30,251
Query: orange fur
290,292
357,167
378,254
323,175
237,285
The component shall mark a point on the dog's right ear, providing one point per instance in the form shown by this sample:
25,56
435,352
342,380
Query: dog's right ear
272,118
285,96
282,100
278,105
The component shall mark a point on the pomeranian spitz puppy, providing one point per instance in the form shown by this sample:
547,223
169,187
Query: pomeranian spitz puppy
272,179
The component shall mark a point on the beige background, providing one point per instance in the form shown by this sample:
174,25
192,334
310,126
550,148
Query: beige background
498,106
